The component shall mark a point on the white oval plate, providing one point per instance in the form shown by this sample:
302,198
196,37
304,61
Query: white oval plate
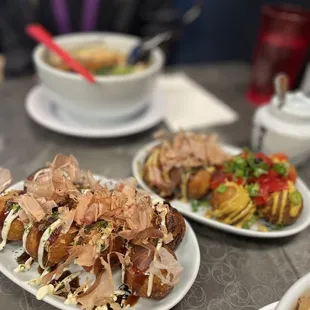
271,306
185,208
190,264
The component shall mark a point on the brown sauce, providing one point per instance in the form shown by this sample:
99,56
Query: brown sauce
40,270
132,300
139,279
22,258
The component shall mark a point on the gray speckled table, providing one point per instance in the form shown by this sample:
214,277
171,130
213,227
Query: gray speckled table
235,273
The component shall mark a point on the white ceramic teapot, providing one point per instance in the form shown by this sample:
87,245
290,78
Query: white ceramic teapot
284,129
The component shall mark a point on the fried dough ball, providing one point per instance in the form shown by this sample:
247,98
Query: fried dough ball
220,197
57,251
137,281
17,227
16,230
283,208
33,241
174,222
232,204
162,183
198,184
118,244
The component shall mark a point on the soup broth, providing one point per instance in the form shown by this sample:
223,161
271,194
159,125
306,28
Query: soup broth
98,59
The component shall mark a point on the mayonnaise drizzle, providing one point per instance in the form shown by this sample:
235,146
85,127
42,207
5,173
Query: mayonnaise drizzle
71,300
46,235
25,235
24,267
13,214
44,291
37,281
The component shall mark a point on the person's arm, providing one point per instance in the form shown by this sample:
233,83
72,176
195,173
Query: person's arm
16,46
158,16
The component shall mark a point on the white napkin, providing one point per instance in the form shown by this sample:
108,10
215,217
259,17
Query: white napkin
189,106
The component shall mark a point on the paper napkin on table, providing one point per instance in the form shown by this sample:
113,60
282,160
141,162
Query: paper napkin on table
189,106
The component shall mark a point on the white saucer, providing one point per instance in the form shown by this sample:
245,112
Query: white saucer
271,306
46,113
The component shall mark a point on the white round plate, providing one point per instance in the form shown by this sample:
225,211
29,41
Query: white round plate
48,114
270,307
185,208
290,298
190,264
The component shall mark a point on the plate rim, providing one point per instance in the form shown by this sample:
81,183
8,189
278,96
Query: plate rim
55,302
93,133
213,223
271,306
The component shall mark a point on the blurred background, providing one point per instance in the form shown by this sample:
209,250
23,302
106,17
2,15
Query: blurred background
225,30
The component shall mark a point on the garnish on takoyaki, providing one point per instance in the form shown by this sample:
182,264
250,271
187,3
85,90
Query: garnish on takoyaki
283,207
64,217
181,165
268,182
231,204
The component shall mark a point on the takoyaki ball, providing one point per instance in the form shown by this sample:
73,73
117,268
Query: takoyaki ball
138,281
283,208
118,244
17,227
198,184
231,204
57,250
16,231
33,241
174,222
162,183
218,197
6,204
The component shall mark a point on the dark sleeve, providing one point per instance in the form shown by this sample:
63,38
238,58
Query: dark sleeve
157,16
16,46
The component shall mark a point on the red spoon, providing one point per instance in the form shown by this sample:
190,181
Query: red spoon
40,34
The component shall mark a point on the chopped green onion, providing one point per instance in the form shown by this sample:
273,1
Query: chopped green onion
55,215
229,167
103,224
240,162
195,205
263,165
295,198
122,70
250,222
246,150
280,168
278,227
204,203
239,173
221,188
257,172
15,207
253,189
104,70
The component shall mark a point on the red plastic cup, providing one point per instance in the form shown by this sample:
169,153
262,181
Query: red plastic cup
282,46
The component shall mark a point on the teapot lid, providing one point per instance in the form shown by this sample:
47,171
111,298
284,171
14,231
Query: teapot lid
296,105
